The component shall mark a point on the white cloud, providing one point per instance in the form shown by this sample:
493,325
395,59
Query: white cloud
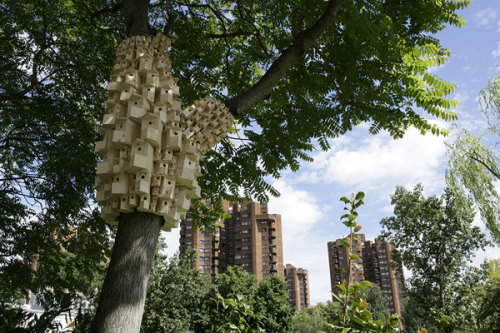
298,208
380,162
496,52
485,17
302,246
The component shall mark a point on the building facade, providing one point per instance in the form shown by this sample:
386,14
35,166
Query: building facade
250,238
297,280
374,264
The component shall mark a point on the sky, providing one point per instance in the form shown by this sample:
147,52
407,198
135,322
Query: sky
375,164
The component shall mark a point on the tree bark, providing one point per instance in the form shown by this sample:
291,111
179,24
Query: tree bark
121,303
135,13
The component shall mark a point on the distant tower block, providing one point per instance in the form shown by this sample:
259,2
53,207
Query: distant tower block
151,147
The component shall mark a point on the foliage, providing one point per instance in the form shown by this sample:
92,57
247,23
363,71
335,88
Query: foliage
369,66
177,295
436,238
488,293
474,167
271,305
378,302
267,300
51,97
232,315
309,320
353,313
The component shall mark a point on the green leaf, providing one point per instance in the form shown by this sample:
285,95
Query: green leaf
345,200
345,243
360,195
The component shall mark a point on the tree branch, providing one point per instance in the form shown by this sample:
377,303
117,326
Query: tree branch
302,43
493,172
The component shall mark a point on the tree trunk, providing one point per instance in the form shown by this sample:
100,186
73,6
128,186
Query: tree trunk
121,303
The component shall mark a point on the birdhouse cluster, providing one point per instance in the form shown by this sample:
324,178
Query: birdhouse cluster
151,147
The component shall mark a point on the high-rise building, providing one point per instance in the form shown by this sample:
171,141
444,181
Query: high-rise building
250,238
374,264
297,280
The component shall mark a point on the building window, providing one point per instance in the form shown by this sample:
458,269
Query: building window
265,254
264,237
265,246
244,248
265,263
246,256
263,229
245,223
189,235
189,227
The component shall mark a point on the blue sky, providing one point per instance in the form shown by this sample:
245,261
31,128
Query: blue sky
309,202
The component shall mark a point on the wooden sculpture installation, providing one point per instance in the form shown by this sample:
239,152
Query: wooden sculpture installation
151,147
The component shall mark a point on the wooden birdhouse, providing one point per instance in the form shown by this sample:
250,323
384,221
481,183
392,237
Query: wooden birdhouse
120,165
172,139
161,110
153,202
126,93
173,118
132,78
167,188
181,200
104,168
167,155
163,96
167,82
189,146
102,146
109,214
163,206
148,92
185,169
120,185
141,156
137,107
144,200
142,182
126,132
109,120
116,108
124,153
116,83
194,192
125,206
161,167
176,103
153,78
146,62
151,129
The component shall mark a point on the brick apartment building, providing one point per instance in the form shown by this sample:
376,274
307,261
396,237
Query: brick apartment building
251,238
374,265
297,280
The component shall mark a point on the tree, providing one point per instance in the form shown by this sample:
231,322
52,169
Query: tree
378,302
436,238
272,305
488,295
177,298
309,320
474,167
267,300
307,70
